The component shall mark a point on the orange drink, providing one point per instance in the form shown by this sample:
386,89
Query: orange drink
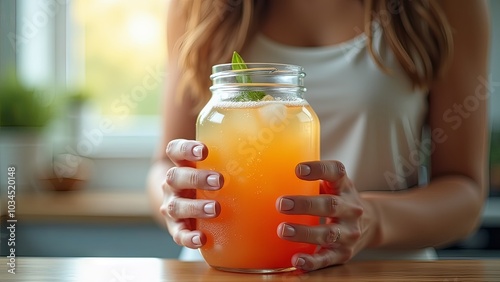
256,146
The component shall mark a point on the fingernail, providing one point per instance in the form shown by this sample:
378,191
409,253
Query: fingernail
209,208
196,240
287,231
286,204
304,170
341,168
197,151
213,180
300,262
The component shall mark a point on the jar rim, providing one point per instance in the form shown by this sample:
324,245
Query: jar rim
281,65
223,71
222,68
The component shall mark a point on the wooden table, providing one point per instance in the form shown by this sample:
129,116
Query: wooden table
151,270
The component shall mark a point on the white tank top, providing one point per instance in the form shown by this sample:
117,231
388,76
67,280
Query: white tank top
370,121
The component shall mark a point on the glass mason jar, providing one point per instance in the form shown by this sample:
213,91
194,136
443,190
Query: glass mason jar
256,145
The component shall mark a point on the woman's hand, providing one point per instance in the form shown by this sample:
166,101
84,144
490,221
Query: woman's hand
180,208
343,233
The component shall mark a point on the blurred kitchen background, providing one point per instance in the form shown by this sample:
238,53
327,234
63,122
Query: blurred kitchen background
80,88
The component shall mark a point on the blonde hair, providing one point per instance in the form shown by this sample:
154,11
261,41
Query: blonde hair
417,31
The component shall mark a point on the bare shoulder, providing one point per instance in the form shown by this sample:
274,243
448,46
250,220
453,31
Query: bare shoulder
176,22
463,6
467,18
470,26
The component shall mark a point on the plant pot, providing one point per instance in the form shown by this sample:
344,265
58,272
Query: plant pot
21,150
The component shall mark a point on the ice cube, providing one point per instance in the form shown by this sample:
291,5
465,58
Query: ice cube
273,111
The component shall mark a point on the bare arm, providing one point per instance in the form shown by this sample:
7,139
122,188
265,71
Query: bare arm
178,119
449,208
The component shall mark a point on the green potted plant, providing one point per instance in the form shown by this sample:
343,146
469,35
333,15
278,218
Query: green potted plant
21,108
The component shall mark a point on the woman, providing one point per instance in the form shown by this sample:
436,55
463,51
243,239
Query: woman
378,74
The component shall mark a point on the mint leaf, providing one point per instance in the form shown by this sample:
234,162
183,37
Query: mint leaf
237,63
246,96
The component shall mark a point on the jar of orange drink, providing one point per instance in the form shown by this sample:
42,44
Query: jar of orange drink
257,127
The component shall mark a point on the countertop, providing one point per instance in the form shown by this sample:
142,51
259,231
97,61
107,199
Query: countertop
151,270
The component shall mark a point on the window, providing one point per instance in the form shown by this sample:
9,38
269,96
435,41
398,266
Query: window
122,44
112,51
